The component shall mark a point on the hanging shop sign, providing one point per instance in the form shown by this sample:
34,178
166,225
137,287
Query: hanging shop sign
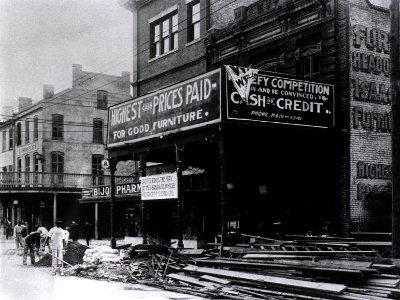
259,96
162,186
105,190
190,104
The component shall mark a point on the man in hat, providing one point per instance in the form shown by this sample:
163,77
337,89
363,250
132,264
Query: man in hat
56,234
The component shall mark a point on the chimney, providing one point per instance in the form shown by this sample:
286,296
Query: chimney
48,91
76,74
24,103
126,79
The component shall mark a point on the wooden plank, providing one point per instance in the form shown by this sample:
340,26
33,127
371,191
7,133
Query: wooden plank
271,280
191,280
215,279
388,282
258,254
193,252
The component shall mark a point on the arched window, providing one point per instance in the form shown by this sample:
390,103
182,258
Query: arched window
27,168
36,167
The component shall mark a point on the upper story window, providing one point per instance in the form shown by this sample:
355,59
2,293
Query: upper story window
35,128
10,138
57,127
97,170
19,134
97,131
309,67
164,35
57,162
27,163
27,132
102,99
193,20
3,141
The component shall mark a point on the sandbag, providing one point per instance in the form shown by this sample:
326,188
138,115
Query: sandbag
110,259
108,251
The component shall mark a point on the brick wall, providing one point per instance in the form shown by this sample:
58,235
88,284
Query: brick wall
177,65
370,124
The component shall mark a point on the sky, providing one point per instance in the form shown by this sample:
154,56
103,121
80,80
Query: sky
40,40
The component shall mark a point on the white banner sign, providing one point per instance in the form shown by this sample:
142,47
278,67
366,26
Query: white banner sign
162,186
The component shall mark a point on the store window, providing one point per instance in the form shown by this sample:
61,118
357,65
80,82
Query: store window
102,99
193,21
97,131
57,127
97,171
27,131
164,35
19,134
35,128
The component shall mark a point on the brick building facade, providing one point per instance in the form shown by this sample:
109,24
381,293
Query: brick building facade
259,174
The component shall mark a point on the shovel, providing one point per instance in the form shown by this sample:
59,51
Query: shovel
59,259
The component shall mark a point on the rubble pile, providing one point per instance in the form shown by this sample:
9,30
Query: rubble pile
265,269
73,255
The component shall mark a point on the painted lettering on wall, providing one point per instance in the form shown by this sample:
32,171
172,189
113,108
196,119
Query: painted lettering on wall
373,39
364,189
370,91
371,120
374,171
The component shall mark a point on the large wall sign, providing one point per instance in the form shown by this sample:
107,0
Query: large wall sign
255,95
163,186
190,104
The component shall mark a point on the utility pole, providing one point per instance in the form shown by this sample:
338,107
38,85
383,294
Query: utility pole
113,168
395,88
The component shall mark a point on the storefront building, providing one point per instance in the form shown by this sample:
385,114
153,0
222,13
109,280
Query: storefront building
281,107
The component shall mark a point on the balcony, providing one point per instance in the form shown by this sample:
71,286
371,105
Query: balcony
37,180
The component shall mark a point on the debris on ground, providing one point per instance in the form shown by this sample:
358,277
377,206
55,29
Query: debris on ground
302,268
73,255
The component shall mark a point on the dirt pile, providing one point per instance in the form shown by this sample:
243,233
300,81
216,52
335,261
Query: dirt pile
73,255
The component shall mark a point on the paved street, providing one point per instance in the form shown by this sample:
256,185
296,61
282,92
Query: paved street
27,282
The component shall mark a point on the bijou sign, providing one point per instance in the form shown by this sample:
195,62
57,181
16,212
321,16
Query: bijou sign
259,96
190,104
104,191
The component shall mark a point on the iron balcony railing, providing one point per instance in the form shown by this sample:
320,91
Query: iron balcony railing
60,180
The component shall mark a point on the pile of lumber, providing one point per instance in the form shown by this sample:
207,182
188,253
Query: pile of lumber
309,268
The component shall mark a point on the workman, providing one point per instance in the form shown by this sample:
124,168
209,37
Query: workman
32,241
56,234
19,240
44,239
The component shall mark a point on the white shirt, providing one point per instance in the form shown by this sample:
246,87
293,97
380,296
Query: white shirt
56,234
